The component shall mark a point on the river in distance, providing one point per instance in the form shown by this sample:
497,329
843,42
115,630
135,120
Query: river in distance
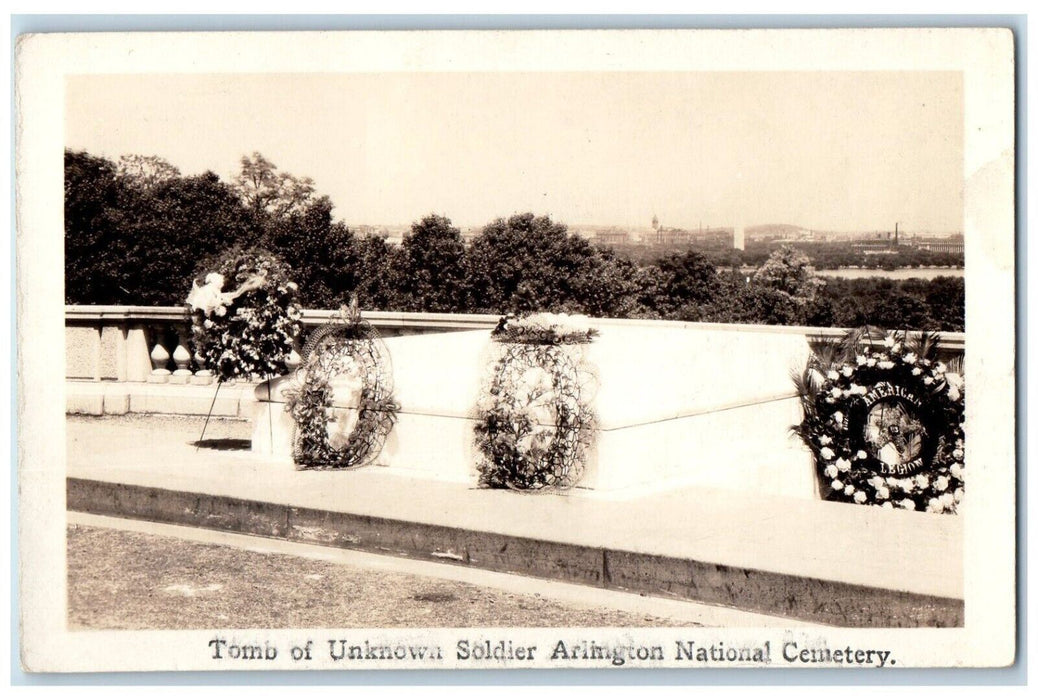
926,273
856,273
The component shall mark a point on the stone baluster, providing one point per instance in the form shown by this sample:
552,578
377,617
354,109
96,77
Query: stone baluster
182,359
181,356
159,363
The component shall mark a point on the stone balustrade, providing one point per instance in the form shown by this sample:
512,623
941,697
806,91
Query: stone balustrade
129,359
153,343
123,359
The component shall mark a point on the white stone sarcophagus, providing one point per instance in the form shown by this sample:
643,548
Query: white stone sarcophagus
676,404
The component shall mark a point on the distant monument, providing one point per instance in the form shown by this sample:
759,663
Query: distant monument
739,238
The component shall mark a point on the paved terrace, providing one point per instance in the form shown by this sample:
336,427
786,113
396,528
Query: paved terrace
814,561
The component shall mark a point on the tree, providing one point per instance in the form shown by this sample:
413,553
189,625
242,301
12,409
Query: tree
677,283
331,263
375,289
265,190
322,252
784,289
146,171
748,303
530,263
507,264
612,286
946,297
789,271
95,244
170,226
429,267
900,311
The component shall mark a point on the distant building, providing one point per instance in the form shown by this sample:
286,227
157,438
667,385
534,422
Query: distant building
888,242
678,237
612,236
670,237
739,238
939,246
876,243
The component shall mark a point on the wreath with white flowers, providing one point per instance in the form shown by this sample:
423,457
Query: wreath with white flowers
343,405
534,424
244,316
885,421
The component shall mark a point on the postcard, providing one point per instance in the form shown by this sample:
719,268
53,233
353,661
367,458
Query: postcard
516,349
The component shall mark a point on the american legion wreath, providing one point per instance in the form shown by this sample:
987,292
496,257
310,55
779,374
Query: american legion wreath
885,421
534,423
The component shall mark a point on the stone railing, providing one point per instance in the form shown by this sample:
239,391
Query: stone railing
119,342
153,343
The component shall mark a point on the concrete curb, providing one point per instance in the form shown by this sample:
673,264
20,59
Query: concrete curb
804,598
118,398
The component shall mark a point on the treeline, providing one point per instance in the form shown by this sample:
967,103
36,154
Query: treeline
823,255
137,231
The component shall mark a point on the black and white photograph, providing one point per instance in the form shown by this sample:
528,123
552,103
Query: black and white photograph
494,350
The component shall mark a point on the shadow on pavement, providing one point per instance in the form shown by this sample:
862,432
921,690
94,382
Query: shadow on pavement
223,444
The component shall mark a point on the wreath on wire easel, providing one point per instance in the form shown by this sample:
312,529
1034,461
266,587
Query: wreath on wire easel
343,406
535,424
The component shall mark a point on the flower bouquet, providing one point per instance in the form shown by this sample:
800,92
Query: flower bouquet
244,316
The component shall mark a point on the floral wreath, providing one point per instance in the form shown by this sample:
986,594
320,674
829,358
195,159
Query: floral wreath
885,421
534,424
347,354
248,330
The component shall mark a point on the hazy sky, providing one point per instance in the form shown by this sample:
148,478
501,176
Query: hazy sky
845,151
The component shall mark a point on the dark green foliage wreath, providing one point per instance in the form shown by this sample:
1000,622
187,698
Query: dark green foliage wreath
845,380
328,351
244,315
517,450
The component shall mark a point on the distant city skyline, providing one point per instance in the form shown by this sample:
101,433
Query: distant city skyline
750,229
825,151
